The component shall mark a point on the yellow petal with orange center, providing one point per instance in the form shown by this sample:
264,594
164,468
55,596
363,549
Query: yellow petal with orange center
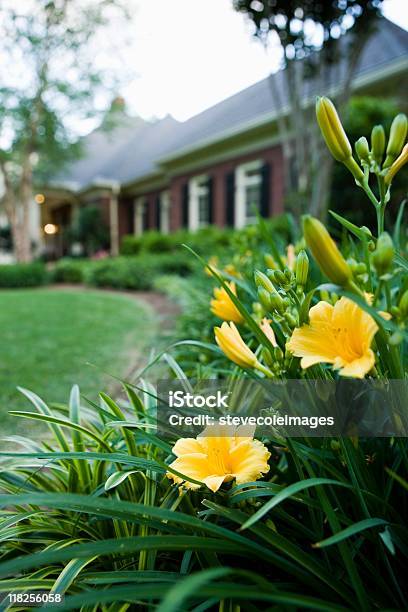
223,458
340,335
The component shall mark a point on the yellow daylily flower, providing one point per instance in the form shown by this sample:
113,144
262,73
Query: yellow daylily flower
230,342
341,335
216,459
268,331
223,307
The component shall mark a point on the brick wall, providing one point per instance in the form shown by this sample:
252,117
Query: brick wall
218,172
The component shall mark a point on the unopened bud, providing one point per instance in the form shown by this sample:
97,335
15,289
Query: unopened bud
278,353
332,129
396,338
325,252
257,308
383,254
270,262
378,143
261,280
264,298
360,268
362,150
290,320
279,277
267,357
277,303
366,231
335,136
398,133
403,304
302,268
289,275
397,165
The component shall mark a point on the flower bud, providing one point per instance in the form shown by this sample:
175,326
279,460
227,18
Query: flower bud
261,280
378,143
332,129
335,136
257,309
325,252
396,338
267,357
302,268
278,353
383,254
397,165
279,277
361,147
270,262
264,298
403,305
398,133
277,303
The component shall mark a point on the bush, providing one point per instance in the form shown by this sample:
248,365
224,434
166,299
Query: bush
70,271
137,272
130,245
23,275
203,241
156,242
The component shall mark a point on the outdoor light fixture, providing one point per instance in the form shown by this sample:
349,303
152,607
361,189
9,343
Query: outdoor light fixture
39,198
50,229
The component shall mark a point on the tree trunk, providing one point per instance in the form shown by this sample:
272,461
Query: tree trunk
26,190
17,207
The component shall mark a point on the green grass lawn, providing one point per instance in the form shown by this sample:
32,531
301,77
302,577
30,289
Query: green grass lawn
49,337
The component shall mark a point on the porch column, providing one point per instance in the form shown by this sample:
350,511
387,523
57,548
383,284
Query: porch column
114,223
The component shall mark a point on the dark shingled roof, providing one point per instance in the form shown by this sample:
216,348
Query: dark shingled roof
133,149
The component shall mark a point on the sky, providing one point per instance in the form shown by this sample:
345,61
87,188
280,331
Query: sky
174,57
190,54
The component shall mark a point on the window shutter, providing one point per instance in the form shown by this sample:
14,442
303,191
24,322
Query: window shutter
185,205
211,200
265,190
157,211
230,198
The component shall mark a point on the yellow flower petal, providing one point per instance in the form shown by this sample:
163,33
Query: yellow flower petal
186,446
340,335
268,331
230,342
223,307
223,459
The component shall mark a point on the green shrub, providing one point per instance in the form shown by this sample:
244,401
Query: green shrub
156,242
203,240
70,271
23,275
130,245
137,272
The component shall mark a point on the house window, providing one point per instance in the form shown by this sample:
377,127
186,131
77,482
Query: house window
164,212
140,215
248,193
199,202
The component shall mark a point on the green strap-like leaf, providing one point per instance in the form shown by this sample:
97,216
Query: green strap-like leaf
289,492
350,531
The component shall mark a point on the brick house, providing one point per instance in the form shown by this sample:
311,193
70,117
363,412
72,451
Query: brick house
217,167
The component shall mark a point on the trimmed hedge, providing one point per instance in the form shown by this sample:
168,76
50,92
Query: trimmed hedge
203,241
23,275
70,270
137,272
